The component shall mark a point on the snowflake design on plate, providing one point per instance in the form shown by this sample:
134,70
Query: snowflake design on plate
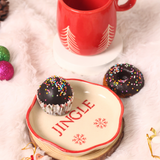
100,123
79,139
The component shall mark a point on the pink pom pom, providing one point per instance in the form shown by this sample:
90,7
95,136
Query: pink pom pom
6,70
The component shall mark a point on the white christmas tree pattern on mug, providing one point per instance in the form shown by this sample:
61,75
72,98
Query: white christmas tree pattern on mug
100,123
68,40
107,38
79,139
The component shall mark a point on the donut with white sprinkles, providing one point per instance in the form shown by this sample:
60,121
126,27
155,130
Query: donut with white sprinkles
124,79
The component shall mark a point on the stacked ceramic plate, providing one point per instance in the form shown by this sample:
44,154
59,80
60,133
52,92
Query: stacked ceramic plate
90,130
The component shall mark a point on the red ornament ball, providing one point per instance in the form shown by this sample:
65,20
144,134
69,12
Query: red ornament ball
6,70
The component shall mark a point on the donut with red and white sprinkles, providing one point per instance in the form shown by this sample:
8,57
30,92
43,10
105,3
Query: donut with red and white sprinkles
124,79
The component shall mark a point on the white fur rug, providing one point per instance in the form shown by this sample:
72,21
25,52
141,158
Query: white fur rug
28,33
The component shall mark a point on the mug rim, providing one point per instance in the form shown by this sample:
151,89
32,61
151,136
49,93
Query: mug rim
87,11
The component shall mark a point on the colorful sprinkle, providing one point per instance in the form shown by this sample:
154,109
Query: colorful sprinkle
124,76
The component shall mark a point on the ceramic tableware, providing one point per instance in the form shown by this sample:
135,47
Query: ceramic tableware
88,27
93,123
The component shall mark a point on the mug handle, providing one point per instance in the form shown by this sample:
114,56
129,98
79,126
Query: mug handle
128,5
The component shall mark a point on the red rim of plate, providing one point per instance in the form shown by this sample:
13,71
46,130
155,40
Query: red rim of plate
79,151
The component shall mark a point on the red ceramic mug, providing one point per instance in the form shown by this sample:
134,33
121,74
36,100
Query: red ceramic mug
87,27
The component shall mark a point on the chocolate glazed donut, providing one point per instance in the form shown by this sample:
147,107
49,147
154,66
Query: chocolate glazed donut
124,79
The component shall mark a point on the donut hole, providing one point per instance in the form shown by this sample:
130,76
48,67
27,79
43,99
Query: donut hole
124,75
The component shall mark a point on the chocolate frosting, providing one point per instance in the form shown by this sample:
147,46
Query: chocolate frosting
124,79
55,90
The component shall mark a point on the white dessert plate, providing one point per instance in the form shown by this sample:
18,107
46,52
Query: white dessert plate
93,123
